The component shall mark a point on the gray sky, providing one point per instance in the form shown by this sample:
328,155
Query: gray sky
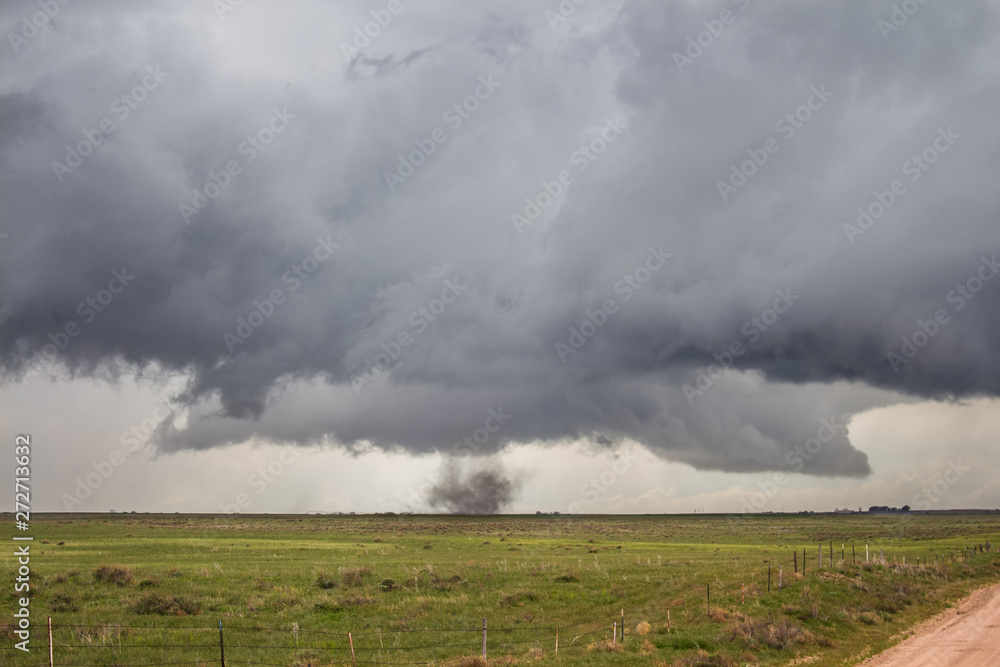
542,235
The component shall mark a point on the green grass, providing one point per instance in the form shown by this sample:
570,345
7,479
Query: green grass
416,588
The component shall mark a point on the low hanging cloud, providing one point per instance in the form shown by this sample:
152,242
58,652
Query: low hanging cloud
559,247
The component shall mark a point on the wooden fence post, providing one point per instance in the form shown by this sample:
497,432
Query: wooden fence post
557,642
623,625
50,642
819,561
614,633
484,637
708,597
779,577
795,561
769,578
350,640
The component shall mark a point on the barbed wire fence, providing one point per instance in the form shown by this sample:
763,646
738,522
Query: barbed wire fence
104,645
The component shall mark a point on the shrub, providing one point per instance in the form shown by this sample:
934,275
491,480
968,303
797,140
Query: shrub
60,602
870,618
703,659
119,576
768,632
356,576
517,599
166,605
324,581
343,602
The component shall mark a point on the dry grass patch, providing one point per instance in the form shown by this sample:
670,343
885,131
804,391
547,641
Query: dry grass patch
604,646
778,634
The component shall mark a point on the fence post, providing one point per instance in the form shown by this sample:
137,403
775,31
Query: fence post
668,621
614,633
779,577
768,578
557,642
819,561
50,641
795,561
222,649
854,559
708,597
803,561
831,553
484,636
350,640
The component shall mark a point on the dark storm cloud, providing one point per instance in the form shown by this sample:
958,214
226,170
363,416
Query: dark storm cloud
677,133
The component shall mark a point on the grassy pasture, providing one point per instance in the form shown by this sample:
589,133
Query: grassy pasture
144,589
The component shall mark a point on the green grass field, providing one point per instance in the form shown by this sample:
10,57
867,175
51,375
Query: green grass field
136,589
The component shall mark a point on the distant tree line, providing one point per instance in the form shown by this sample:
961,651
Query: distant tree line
885,509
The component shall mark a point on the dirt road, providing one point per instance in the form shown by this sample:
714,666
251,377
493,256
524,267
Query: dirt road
967,635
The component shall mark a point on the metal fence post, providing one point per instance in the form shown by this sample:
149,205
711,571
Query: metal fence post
222,649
